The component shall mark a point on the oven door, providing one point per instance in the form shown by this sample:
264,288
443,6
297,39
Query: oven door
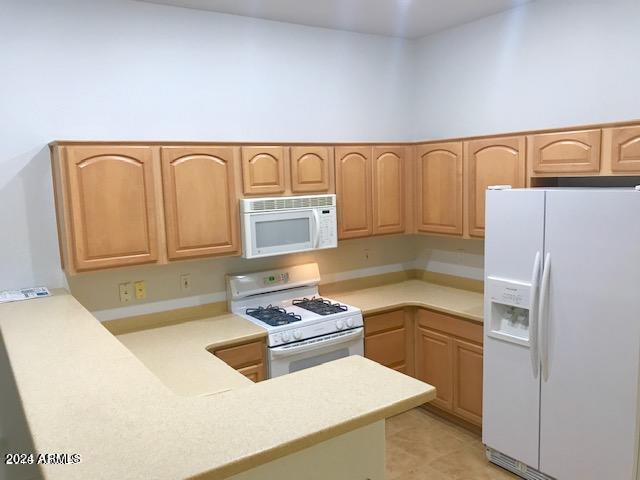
277,233
309,353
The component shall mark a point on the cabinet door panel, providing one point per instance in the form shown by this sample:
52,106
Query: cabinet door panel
255,373
353,191
621,149
200,205
388,190
467,389
388,348
112,203
565,152
439,188
495,161
433,364
310,169
263,170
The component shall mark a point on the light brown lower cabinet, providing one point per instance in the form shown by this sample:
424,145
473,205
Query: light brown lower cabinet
467,384
434,364
442,350
387,340
449,356
247,358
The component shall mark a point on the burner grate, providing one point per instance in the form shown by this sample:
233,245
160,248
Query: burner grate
273,316
319,305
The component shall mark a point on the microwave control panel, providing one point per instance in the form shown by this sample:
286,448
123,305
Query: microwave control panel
327,226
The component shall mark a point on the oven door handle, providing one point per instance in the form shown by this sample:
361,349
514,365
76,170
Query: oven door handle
315,343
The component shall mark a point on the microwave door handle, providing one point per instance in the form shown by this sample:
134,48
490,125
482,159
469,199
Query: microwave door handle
316,219
289,351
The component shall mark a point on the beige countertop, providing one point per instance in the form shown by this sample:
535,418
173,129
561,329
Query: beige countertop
462,303
177,354
84,392
172,351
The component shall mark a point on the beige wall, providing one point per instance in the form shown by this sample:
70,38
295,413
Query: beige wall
453,256
360,257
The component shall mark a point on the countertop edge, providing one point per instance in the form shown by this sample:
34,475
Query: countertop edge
395,306
320,436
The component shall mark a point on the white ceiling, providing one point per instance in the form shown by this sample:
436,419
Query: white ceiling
400,18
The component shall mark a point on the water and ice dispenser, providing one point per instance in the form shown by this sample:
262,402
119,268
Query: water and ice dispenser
510,310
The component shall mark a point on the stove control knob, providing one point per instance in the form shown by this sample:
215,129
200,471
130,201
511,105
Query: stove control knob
340,324
350,322
285,337
297,334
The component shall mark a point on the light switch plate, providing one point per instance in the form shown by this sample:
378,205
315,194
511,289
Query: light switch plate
185,282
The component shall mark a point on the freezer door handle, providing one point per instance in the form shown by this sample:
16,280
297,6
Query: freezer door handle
533,314
543,318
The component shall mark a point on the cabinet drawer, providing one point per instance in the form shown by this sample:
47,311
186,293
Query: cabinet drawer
383,321
242,355
451,325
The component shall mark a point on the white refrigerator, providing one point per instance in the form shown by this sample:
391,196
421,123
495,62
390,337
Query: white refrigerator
562,332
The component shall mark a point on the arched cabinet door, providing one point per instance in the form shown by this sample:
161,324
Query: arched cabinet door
439,188
493,161
263,170
112,206
199,199
310,169
564,152
621,150
388,189
353,191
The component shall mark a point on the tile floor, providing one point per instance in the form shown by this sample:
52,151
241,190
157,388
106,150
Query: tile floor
422,446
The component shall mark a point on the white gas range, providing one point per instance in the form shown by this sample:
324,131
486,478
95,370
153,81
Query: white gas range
303,329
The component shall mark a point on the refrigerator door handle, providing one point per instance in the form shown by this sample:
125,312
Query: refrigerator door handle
543,319
533,314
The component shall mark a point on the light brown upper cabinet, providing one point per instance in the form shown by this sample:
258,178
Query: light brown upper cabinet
564,152
439,188
106,203
310,169
263,170
353,191
201,214
621,150
388,189
493,161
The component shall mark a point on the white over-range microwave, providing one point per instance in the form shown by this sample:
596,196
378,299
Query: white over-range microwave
279,225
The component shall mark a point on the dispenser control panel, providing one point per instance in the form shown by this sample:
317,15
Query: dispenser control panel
510,305
510,292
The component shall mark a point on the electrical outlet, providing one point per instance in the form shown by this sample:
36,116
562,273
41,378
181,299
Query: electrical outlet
185,282
141,289
125,292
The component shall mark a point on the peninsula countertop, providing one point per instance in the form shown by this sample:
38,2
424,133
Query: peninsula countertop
84,392
178,354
